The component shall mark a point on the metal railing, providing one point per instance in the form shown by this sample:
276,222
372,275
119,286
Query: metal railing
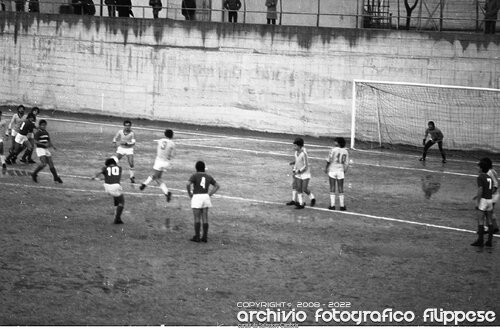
376,18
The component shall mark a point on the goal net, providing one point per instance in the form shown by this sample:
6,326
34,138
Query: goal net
391,113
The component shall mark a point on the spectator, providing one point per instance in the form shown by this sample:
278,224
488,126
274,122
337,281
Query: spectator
34,6
156,4
271,11
111,7
490,16
232,6
189,9
88,7
2,6
20,5
124,8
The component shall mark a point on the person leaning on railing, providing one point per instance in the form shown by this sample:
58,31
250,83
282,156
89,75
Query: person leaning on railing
34,6
232,6
20,5
124,8
189,9
156,4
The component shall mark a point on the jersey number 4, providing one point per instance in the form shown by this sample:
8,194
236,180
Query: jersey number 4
203,182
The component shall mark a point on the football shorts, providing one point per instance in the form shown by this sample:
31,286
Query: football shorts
21,139
43,152
114,190
304,175
199,201
336,174
485,205
13,133
161,165
125,150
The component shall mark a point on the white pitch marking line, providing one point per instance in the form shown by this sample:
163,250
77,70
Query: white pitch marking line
390,219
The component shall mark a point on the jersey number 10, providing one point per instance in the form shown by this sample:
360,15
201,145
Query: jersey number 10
113,171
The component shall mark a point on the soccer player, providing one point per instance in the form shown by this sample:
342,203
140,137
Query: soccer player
124,142
165,152
200,187
337,164
3,131
112,175
43,143
302,174
27,156
494,176
436,137
484,203
15,121
21,140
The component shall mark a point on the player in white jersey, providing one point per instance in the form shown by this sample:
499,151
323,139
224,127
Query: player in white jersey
165,152
3,132
337,164
302,174
15,121
124,142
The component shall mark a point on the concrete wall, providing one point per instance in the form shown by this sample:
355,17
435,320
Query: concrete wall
269,78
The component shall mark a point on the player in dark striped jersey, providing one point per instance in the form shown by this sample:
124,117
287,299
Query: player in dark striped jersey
484,202
200,187
112,175
26,158
21,140
43,143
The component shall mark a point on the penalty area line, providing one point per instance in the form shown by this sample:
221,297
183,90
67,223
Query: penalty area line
369,216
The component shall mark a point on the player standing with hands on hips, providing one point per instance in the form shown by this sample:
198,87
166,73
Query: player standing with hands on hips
436,137
200,187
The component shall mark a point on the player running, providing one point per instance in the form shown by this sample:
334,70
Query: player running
484,203
337,164
165,152
200,187
3,132
21,140
436,137
27,156
14,124
43,143
302,173
124,142
112,176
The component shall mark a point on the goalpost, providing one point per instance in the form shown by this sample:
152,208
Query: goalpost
397,113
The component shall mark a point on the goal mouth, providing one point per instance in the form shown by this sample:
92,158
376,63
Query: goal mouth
396,114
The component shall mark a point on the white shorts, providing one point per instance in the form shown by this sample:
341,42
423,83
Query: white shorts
201,201
485,205
125,151
336,174
495,197
305,175
114,190
43,152
21,139
13,133
161,165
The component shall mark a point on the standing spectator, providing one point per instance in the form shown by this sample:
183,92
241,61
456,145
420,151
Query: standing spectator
189,9
111,7
34,6
2,5
272,15
20,5
88,7
156,4
490,16
232,6
124,8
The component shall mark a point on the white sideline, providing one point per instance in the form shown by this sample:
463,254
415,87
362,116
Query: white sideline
422,224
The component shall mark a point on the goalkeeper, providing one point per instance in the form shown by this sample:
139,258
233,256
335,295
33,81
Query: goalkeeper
436,137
